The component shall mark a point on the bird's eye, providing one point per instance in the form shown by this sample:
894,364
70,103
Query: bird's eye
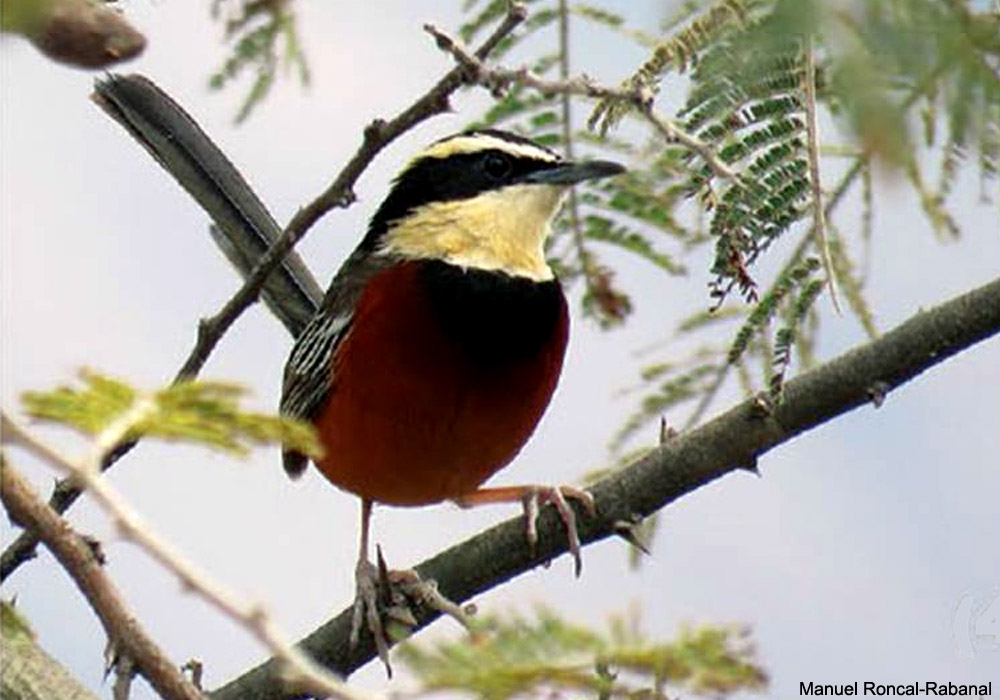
496,165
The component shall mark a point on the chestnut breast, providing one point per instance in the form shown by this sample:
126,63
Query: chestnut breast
440,380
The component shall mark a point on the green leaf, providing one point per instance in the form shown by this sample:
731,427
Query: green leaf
599,15
789,334
265,35
12,624
201,412
604,230
851,285
768,305
548,655
29,673
677,52
90,410
707,317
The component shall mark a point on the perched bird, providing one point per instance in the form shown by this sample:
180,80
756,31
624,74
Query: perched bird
439,342
434,352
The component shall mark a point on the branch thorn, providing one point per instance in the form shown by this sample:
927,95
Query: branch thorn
762,406
94,545
751,466
667,432
877,393
628,531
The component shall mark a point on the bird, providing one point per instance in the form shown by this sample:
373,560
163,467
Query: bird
439,342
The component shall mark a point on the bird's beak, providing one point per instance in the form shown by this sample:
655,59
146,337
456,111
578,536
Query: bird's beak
572,173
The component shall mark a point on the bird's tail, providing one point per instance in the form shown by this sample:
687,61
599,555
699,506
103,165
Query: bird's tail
241,225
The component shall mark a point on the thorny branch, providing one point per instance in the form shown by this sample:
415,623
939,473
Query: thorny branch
734,440
298,670
498,79
377,136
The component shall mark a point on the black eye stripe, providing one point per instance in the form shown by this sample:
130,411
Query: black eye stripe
496,165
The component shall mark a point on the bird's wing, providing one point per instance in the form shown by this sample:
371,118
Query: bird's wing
308,378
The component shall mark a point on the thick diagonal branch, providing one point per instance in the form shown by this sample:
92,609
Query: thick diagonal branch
734,440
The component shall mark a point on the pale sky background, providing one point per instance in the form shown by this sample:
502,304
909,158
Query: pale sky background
862,554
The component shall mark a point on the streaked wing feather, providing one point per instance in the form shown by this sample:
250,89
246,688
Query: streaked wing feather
308,378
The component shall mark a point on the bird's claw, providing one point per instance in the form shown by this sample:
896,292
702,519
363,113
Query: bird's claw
384,596
536,496
426,594
367,610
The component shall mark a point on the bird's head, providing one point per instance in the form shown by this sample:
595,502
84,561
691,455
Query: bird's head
479,199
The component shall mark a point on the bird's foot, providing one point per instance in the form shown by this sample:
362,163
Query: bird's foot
537,496
385,601
532,497
368,586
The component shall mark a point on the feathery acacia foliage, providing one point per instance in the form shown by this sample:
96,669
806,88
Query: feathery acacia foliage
263,36
743,66
688,34
205,413
548,655
880,66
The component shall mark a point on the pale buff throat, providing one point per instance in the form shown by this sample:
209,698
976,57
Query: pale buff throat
503,230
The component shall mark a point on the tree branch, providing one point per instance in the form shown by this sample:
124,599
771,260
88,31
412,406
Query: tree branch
78,558
497,79
733,440
377,136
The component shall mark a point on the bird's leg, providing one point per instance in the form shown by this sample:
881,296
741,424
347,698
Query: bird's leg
366,596
531,497
381,590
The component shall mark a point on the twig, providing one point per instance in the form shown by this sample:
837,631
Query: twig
300,672
124,673
497,79
671,131
572,206
734,440
812,136
377,136
76,556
